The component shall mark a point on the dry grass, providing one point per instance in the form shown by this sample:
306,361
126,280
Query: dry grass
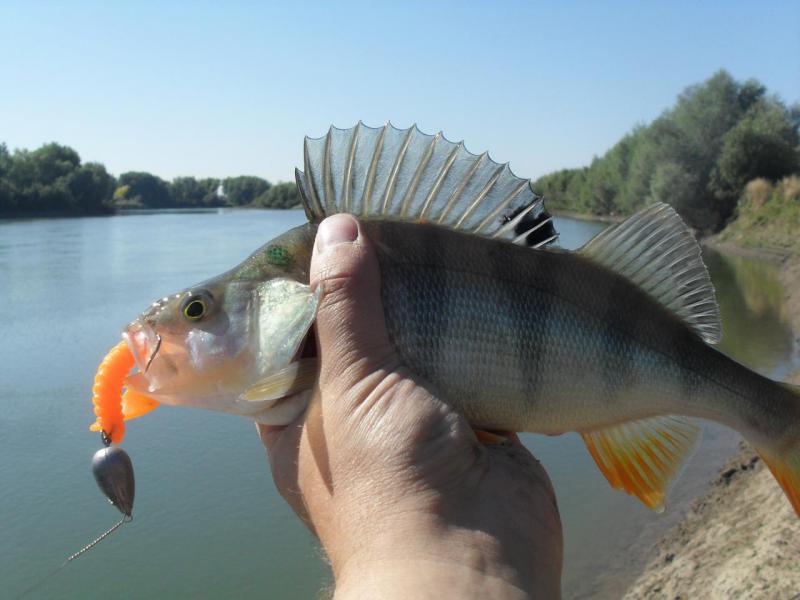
768,216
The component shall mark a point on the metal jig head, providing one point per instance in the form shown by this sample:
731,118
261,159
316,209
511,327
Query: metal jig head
113,470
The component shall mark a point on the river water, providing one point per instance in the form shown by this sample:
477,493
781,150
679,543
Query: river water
208,521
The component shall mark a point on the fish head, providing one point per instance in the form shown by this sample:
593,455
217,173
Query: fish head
208,344
194,345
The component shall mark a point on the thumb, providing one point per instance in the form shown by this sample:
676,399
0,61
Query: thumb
351,331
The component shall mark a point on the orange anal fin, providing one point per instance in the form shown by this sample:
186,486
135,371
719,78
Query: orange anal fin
489,437
135,404
643,457
787,472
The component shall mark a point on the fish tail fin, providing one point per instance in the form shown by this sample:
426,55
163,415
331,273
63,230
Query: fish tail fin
784,462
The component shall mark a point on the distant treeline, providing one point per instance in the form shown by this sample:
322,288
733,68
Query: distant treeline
52,181
697,156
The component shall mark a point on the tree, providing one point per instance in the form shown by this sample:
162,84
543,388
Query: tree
674,185
280,195
243,190
186,191
764,144
91,186
7,196
211,191
562,189
697,156
190,192
38,179
146,189
53,161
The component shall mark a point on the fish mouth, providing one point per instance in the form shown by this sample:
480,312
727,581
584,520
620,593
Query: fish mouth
143,342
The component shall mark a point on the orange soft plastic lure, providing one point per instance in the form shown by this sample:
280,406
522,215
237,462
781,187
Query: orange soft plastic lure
111,406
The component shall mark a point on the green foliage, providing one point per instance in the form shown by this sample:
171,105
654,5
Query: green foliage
52,180
696,156
243,190
7,197
768,216
191,192
91,187
280,195
146,190
764,143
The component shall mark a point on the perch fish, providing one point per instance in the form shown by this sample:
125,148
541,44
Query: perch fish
614,341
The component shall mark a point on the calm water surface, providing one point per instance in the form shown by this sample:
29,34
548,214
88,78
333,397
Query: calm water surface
208,522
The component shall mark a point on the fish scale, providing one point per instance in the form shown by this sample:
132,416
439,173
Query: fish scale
504,342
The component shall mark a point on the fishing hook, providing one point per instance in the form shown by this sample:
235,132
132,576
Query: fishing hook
154,352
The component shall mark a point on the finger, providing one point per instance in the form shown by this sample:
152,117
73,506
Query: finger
270,434
351,331
283,449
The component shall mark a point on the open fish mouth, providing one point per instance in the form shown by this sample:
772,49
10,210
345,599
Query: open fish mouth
144,343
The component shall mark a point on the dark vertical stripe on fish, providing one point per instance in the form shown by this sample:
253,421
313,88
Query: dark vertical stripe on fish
519,309
438,316
617,360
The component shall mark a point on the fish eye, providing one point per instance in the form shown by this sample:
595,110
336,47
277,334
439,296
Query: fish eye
196,306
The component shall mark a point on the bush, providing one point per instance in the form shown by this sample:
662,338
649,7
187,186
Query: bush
697,156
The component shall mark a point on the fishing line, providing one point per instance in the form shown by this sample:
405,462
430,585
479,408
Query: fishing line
86,548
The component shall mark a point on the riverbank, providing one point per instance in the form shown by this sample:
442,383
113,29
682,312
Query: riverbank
742,539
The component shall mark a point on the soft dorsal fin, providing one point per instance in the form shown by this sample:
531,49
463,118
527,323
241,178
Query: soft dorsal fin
643,457
655,250
392,173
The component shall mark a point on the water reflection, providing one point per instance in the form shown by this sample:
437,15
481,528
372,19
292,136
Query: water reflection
755,320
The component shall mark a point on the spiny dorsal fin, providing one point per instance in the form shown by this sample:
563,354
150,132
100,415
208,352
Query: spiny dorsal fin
655,250
643,457
392,173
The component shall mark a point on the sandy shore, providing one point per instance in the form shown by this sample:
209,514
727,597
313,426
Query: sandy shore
742,540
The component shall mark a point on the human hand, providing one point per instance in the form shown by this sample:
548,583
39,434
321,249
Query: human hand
403,497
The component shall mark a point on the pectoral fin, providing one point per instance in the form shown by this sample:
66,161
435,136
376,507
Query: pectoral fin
643,457
295,377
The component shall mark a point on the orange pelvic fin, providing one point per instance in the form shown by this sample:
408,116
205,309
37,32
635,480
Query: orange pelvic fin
135,404
489,437
787,472
643,457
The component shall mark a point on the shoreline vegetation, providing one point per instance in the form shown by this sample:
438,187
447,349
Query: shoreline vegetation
51,181
700,156
720,139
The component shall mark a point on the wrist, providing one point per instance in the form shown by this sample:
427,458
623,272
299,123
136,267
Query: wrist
424,558
424,578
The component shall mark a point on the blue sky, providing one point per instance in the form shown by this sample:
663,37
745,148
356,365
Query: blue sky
219,89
